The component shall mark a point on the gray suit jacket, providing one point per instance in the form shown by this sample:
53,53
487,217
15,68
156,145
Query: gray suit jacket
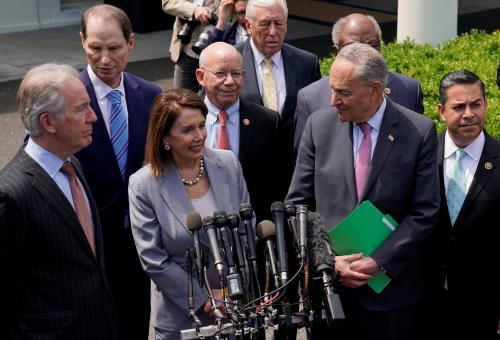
158,210
401,89
52,285
402,182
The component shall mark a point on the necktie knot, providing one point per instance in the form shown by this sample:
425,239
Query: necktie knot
115,96
222,117
69,170
268,62
459,154
365,128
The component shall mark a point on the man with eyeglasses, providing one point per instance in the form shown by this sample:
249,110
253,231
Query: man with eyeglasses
233,32
247,129
364,29
276,71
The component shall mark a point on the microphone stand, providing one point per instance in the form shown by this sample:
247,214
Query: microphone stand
191,305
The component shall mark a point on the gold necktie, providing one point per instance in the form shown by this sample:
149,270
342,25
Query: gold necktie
269,95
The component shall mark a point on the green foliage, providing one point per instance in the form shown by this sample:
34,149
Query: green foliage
476,51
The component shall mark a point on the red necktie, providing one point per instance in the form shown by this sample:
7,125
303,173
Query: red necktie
223,139
79,202
364,158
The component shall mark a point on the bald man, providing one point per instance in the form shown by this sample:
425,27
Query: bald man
251,128
364,29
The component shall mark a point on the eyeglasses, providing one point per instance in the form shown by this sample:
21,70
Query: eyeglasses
235,74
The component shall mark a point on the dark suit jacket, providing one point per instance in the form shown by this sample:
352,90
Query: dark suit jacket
402,182
301,69
257,155
401,89
228,34
52,285
455,249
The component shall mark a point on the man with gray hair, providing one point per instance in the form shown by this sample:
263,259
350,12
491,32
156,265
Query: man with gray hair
368,148
360,28
54,281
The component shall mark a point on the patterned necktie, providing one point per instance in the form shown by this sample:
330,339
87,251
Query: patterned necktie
223,138
118,130
269,95
364,158
457,186
81,208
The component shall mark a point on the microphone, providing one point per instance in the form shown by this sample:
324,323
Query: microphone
194,224
278,214
266,230
234,225
246,214
209,227
235,289
302,212
322,261
292,223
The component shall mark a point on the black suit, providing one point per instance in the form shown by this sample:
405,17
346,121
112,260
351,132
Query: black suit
52,285
467,254
301,68
258,137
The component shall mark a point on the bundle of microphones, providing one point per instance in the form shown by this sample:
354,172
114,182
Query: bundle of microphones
254,301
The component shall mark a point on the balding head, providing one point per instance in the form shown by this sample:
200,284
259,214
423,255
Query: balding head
356,27
221,74
107,12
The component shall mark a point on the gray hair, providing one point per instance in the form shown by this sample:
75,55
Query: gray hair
40,91
371,66
339,25
250,13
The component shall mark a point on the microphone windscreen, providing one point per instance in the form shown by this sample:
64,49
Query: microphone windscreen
193,221
246,211
234,220
265,229
290,208
278,207
318,246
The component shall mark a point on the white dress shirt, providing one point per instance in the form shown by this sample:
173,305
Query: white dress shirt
470,159
241,34
278,70
101,89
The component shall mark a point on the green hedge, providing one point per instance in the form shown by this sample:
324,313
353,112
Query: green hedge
475,51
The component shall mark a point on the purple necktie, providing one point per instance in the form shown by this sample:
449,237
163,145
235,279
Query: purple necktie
364,158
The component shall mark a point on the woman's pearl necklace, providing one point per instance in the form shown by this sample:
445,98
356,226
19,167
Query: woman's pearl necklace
197,178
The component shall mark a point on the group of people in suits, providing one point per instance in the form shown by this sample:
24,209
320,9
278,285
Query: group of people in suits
87,253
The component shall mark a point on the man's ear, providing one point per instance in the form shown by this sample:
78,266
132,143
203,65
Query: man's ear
441,111
248,26
200,75
46,121
82,39
131,42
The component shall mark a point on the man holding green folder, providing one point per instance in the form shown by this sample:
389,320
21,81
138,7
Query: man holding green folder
367,148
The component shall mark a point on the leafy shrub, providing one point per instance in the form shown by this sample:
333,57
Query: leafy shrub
476,51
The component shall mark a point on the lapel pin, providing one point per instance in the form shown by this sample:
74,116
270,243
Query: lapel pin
488,165
246,121
387,91
391,138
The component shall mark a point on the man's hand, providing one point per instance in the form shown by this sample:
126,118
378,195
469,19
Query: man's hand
202,14
365,265
350,277
208,307
224,13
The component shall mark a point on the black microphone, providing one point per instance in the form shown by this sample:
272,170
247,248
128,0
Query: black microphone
266,230
291,213
209,227
322,261
234,225
234,286
246,214
278,214
194,224
302,213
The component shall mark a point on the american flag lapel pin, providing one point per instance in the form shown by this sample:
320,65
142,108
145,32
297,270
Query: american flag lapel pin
391,138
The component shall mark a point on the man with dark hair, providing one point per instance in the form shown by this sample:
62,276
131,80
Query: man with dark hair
122,103
53,280
368,148
364,29
464,280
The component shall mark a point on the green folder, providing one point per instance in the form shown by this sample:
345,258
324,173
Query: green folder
363,231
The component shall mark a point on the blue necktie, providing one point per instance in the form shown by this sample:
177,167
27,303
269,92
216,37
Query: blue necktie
118,130
457,187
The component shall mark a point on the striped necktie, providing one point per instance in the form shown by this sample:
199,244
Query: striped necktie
363,160
223,138
118,130
269,94
457,187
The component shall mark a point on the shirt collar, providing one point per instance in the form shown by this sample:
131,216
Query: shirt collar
473,150
376,120
101,88
259,57
46,159
213,110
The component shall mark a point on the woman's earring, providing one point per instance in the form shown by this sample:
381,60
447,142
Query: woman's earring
167,146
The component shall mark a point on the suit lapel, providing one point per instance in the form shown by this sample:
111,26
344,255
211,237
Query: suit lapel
344,138
51,193
246,131
440,162
217,174
386,140
251,82
290,75
485,168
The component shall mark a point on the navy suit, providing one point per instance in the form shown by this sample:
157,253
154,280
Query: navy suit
228,34
301,68
129,283
401,89
52,286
